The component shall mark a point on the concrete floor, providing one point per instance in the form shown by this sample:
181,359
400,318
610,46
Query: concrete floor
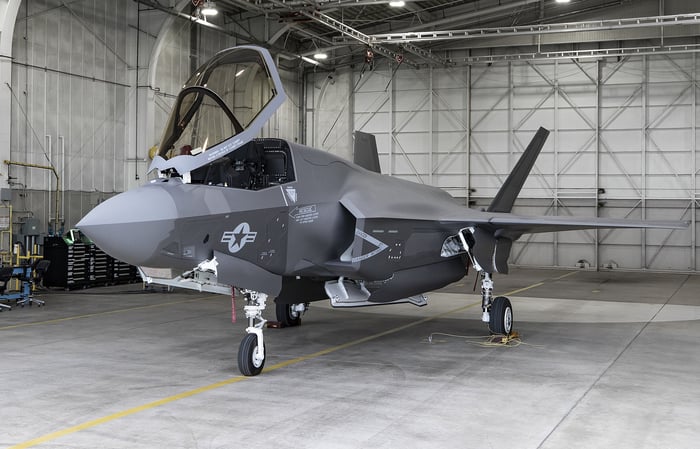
608,360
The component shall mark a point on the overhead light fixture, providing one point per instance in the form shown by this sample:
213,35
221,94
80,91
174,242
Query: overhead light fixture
563,1
320,56
208,9
309,60
397,3
240,72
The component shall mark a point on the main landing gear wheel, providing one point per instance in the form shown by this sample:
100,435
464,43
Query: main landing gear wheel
288,315
249,361
496,311
501,316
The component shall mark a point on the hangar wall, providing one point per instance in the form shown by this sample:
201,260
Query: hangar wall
624,143
624,139
70,86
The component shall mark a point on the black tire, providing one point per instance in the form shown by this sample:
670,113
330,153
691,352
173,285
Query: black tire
501,312
287,316
246,364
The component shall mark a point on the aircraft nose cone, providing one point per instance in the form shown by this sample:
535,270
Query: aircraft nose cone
131,225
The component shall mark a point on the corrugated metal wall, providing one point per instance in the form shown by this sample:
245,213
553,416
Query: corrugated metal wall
70,90
76,92
624,143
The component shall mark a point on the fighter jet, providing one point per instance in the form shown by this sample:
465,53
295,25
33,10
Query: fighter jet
281,220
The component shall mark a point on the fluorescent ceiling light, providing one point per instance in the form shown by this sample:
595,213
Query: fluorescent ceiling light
209,9
320,56
240,72
310,61
397,3
562,1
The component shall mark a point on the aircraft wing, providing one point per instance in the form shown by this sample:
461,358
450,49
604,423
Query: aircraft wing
513,226
491,236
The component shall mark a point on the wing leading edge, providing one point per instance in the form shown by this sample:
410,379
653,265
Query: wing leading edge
492,235
513,226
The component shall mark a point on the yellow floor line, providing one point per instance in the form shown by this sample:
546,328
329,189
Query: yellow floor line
89,315
105,419
539,284
565,275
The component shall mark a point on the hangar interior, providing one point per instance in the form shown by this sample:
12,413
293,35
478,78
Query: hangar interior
89,94
453,91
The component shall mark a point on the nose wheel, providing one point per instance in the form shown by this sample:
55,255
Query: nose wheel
251,352
250,360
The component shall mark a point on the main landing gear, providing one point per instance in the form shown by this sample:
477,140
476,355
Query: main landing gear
289,315
496,311
251,352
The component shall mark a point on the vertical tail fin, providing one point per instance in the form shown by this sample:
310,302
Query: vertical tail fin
503,202
365,150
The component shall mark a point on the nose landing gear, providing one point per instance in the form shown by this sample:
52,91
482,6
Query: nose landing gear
251,352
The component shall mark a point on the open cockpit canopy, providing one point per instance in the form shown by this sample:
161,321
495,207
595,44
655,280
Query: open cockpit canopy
221,107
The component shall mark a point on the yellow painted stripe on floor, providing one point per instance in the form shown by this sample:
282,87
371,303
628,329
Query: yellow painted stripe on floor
565,275
105,419
520,290
89,315
122,414
539,284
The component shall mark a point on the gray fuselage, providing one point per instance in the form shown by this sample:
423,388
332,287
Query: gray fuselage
301,214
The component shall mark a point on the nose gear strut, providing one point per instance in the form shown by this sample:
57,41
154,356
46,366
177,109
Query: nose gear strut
251,352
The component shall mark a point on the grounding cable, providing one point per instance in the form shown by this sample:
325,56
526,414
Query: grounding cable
512,340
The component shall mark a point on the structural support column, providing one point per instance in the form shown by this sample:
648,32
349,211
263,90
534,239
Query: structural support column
694,197
431,139
391,122
555,132
8,17
468,131
598,122
643,162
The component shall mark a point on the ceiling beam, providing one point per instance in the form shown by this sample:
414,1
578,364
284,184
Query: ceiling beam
582,54
283,5
476,14
365,39
528,30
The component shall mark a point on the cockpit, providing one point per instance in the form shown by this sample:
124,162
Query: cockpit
220,111
259,164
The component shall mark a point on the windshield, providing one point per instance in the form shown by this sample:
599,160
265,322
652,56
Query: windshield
218,102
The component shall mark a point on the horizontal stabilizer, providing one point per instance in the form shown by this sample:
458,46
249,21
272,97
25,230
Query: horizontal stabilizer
503,202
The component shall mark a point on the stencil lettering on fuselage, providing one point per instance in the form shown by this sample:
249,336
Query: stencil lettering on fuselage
237,238
304,214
